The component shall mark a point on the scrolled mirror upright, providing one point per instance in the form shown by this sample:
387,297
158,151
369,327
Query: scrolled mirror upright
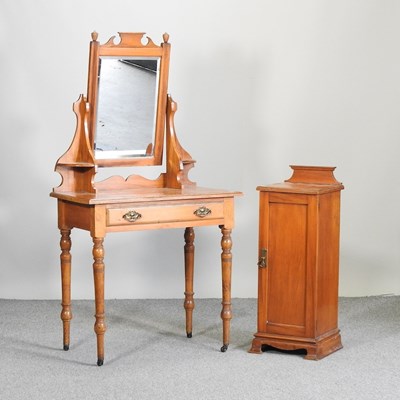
127,93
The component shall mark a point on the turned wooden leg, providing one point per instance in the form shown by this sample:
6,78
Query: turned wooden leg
226,262
65,258
98,273
189,267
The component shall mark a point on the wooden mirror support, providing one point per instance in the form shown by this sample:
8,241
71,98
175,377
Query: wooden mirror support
78,165
117,204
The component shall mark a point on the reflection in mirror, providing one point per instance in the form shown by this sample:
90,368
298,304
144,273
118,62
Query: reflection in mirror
126,107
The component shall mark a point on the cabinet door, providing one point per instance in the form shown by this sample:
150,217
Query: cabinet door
286,291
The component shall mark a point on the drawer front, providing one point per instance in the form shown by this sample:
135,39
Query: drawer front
164,214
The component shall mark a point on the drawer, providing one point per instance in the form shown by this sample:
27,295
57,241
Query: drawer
156,214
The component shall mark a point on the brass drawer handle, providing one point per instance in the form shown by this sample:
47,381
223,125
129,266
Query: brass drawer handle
202,212
132,216
262,261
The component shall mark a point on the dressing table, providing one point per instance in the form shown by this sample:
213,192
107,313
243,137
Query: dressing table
127,120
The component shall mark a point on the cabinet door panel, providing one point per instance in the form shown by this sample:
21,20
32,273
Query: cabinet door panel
287,269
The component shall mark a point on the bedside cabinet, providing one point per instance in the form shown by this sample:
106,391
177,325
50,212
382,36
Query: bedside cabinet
298,263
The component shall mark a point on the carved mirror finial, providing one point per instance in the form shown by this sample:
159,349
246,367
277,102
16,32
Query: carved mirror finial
95,35
165,37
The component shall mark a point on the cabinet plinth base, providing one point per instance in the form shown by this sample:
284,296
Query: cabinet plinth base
316,349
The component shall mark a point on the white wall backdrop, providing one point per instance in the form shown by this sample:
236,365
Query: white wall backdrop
260,84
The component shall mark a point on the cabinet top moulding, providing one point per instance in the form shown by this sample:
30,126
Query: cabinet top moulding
307,179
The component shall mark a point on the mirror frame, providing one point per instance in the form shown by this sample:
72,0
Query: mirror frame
130,45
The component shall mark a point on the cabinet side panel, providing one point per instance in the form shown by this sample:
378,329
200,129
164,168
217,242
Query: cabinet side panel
287,269
328,262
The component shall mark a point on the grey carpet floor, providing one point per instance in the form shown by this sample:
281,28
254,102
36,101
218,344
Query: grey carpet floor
149,357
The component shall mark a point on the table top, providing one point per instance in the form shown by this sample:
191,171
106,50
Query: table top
144,194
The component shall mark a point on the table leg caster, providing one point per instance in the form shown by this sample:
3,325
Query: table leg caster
224,348
66,347
189,335
100,362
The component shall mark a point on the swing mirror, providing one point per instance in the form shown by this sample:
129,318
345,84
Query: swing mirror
127,93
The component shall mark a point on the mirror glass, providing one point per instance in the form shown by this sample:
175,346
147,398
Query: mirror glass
126,107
